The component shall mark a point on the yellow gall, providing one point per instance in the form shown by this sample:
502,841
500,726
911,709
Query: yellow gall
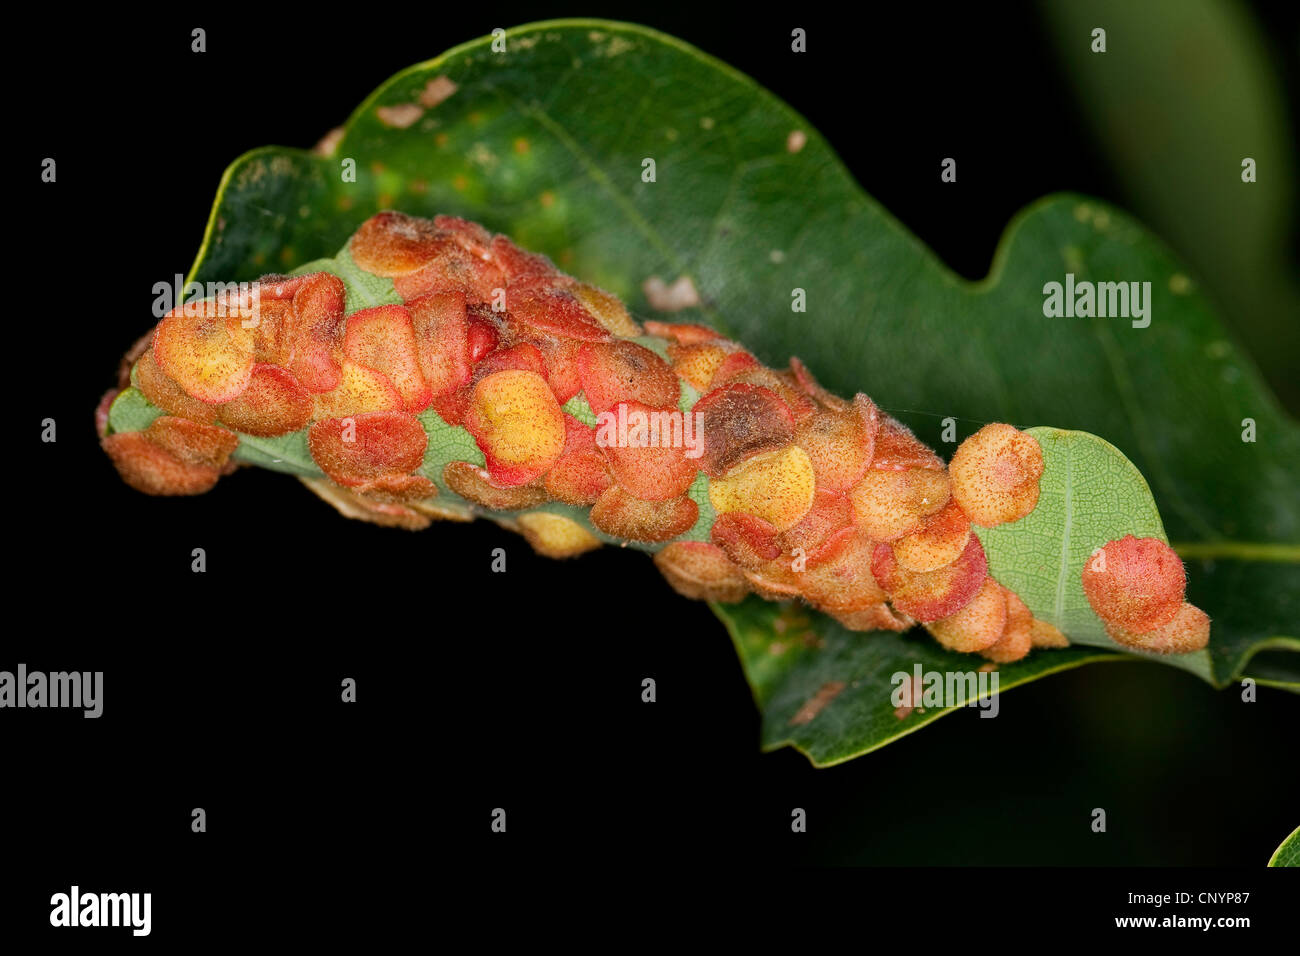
514,417
555,536
1043,634
776,486
607,310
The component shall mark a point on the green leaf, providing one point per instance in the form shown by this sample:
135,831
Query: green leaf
363,290
1288,853
287,453
828,691
546,143
131,411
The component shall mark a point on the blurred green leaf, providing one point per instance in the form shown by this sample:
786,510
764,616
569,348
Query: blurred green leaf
1185,91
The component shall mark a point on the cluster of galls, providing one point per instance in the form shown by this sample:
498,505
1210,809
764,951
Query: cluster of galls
284,357
855,516
816,497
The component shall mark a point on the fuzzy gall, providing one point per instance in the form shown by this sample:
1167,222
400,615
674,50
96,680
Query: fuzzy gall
1136,586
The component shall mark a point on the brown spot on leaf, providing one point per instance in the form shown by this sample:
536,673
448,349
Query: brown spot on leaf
911,696
815,704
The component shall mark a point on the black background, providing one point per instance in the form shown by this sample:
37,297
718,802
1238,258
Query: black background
519,691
